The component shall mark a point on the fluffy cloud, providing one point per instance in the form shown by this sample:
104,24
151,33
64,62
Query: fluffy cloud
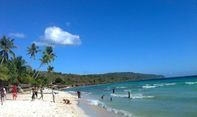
17,35
55,35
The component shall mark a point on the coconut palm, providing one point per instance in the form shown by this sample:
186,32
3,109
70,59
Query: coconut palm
3,72
6,46
50,69
18,68
33,50
47,58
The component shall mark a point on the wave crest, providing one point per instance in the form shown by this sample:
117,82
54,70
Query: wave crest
133,96
190,83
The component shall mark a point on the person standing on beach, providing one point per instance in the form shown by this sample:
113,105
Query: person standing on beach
5,93
41,93
1,94
79,94
33,93
14,92
36,92
53,94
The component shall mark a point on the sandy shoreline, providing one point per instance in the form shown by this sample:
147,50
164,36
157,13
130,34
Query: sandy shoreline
24,107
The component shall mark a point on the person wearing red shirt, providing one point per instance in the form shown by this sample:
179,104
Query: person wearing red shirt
14,92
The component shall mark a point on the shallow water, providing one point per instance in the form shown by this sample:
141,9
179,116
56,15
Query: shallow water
151,98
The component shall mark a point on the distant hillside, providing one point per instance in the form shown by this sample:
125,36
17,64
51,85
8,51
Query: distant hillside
91,79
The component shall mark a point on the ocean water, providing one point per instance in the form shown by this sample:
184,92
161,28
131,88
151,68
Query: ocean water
151,98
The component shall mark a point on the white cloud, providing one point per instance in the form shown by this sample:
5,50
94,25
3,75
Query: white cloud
56,35
17,35
39,43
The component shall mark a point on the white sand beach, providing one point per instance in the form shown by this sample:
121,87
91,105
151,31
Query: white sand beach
24,107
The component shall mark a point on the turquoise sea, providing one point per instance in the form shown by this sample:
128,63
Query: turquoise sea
169,97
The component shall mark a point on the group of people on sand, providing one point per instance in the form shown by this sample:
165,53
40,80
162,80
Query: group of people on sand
34,92
3,93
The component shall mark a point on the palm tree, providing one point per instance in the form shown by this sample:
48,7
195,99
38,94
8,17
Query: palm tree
3,72
50,69
33,50
18,68
48,57
6,46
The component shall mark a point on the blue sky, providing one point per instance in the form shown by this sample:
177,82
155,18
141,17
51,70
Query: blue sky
99,36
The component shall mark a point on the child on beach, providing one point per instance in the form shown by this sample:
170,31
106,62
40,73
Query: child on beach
14,92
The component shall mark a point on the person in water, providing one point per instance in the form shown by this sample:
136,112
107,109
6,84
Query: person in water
129,94
113,90
79,94
102,97
111,99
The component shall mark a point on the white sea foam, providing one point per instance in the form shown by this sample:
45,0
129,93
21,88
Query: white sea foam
190,83
86,93
116,111
133,96
121,87
148,86
140,96
128,90
119,95
95,102
170,84
72,92
159,85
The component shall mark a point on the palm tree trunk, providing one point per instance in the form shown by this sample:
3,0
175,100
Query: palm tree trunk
2,60
35,75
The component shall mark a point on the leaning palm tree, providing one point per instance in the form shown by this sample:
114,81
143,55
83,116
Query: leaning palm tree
6,46
48,57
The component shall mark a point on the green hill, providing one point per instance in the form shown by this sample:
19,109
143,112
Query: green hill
92,79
